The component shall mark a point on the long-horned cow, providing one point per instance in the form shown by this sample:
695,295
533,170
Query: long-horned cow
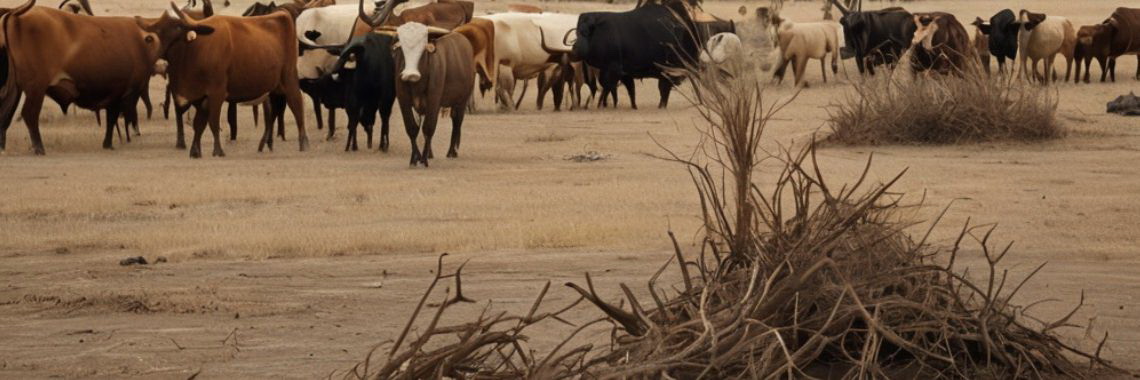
1042,37
367,70
435,71
223,58
108,63
941,44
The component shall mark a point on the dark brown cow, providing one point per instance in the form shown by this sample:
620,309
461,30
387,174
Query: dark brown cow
981,43
1093,41
1124,27
107,65
435,71
237,59
941,43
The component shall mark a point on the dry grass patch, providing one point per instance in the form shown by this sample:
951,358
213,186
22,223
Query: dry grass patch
892,109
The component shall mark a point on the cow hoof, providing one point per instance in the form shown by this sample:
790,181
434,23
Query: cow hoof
39,151
304,141
219,153
194,154
108,147
452,154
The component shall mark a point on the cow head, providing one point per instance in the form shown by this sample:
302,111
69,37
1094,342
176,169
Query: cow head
926,27
721,47
173,27
1030,20
415,42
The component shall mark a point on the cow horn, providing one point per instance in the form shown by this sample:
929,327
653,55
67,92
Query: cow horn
542,41
435,31
207,8
86,7
567,36
382,15
182,17
22,9
842,9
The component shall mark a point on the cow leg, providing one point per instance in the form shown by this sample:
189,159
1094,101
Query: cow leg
782,68
131,117
385,114
215,112
111,124
199,125
368,119
430,121
526,85
31,114
317,111
456,132
146,102
1050,74
1068,67
275,101
231,118
350,141
279,115
293,99
166,104
332,123
8,104
543,88
557,87
1112,68
413,130
799,70
255,121
665,87
631,89
179,122
823,69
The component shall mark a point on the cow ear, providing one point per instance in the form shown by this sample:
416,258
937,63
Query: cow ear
202,30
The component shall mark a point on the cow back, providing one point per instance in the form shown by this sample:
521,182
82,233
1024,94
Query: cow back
637,41
1126,31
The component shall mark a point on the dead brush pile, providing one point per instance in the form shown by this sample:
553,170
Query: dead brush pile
973,107
803,279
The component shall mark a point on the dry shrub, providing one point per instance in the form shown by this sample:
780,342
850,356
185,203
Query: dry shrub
803,279
938,109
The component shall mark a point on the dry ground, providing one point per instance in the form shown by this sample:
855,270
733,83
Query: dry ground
291,264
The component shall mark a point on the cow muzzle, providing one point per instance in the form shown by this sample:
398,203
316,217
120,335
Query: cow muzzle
412,76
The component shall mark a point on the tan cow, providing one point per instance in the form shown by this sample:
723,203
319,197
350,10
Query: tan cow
92,62
1042,37
799,42
224,58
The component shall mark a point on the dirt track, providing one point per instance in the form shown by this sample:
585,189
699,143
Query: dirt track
291,264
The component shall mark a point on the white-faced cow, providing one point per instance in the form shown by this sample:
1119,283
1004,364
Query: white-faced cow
436,71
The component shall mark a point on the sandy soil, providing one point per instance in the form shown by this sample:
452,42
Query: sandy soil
291,264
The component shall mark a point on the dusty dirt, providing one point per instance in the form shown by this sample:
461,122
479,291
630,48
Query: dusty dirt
294,264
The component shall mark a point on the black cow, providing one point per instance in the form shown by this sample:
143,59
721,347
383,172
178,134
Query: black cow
1001,33
876,37
368,72
637,44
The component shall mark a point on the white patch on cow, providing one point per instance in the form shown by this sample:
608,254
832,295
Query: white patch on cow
413,40
191,36
160,66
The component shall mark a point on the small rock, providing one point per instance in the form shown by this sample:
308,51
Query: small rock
160,259
237,315
132,261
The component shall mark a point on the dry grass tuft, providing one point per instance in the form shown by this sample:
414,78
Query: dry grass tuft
804,279
940,109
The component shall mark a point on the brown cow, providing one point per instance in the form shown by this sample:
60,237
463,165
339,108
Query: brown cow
1093,41
1124,27
481,34
981,44
92,62
436,71
941,43
446,14
223,58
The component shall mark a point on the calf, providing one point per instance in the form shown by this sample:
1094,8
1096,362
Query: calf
436,71
799,42
1042,37
941,44
92,62
368,71
225,58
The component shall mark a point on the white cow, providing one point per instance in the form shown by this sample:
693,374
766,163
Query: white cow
519,46
800,41
721,47
1042,37
324,26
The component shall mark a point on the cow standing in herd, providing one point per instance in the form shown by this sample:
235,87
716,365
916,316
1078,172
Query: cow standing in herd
364,59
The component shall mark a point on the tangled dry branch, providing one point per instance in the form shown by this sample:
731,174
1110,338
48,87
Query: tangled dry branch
820,281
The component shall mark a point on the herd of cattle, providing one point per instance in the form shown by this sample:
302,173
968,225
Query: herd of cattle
364,58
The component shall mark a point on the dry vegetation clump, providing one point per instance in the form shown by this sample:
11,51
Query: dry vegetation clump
803,279
938,109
